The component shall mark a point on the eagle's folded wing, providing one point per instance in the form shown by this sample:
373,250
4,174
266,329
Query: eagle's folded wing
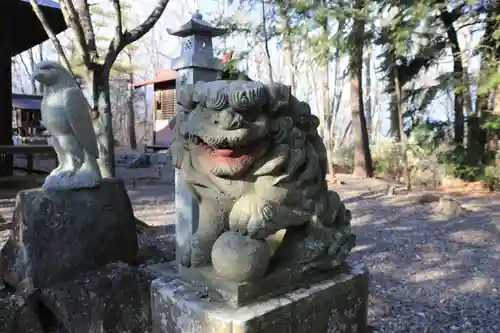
80,120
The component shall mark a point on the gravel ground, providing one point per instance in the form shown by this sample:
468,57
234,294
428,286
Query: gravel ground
429,273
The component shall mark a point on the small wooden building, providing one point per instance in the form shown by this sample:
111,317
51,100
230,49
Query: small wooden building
26,119
20,29
163,104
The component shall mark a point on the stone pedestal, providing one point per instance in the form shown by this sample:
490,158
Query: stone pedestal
336,304
57,235
17,315
186,210
114,299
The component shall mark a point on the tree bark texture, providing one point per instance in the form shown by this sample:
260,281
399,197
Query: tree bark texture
363,166
402,135
266,42
103,125
477,136
326,114
287,44
131,113
458,71
368,91
31,57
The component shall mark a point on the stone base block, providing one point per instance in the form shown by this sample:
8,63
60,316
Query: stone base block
337,304
238,294
17,315
58,234
114,299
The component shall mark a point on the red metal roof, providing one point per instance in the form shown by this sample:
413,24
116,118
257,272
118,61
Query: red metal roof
163,75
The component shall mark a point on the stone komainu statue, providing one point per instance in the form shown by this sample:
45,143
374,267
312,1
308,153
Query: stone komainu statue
253,158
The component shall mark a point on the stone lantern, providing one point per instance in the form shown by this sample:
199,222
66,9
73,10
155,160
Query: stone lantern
196,63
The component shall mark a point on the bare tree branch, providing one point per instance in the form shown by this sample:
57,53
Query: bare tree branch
128,37
118,38
73,21
38,12
83,9
266,42
25,65
142,29
344,136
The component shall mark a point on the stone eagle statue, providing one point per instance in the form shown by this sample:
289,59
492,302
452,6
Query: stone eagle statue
66,116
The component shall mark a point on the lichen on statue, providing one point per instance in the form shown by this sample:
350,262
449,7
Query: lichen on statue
253,158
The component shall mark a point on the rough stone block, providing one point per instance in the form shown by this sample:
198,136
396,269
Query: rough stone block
114,299
57,234
17,315
337,304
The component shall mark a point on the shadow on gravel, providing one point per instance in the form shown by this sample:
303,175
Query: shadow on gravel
4,225
6,208
429,273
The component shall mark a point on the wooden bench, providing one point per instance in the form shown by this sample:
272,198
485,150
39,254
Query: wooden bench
154,148
21,179
28,151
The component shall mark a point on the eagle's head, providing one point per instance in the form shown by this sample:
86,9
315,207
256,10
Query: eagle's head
49,72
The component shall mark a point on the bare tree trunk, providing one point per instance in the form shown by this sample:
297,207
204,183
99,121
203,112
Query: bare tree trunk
40,58
146,121
394,130
490,53
458,71
363,165
266,42
282,8
399,105
326,129
40,52
32,67
288,58
346,131
368,90
103,125
317,98
465,56
131,111
335,101
377,128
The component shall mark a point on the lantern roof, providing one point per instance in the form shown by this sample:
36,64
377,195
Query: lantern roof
196,26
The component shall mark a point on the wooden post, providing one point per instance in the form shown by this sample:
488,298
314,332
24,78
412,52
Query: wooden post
29,163
6,160
154,114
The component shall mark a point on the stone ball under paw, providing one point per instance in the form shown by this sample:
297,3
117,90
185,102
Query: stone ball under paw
240,258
